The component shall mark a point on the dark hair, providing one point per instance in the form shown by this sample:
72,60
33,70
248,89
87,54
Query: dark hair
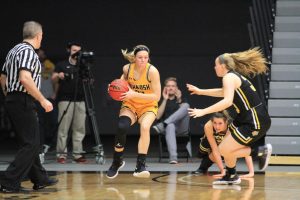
224,115
70,44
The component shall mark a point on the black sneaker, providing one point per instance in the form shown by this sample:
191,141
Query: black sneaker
49,182
200,171
141,171
159,128
113,171
228,179
4,189
264,155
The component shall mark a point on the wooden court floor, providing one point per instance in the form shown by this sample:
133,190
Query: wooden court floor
164,186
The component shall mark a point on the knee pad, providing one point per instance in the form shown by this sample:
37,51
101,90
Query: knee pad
124,123
123,126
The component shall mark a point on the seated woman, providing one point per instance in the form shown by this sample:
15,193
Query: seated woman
215,130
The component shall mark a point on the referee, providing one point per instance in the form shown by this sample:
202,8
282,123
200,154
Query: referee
20,81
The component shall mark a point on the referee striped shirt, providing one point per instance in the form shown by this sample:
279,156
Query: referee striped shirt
21,57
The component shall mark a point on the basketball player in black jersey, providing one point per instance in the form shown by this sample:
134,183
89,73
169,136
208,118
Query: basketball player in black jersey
252,120
214,132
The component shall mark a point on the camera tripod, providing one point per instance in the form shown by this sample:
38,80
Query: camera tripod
83,73
86,82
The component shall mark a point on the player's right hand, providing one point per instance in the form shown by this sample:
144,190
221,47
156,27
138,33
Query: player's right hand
193,89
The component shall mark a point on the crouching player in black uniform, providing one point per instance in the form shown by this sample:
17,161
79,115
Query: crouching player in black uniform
214,132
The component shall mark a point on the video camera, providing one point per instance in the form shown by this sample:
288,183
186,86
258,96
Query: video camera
85,60
83,54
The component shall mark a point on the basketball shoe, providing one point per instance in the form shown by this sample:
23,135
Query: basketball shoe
141,171
113,171
264,154
228,179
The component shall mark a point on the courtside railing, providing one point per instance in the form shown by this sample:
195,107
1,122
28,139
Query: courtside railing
261,28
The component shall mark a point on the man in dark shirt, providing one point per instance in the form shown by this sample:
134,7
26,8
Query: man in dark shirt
173,116
71,106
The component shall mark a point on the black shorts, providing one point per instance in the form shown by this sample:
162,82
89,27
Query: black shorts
249,127
204,146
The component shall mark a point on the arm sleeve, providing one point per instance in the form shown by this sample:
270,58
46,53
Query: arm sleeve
4,67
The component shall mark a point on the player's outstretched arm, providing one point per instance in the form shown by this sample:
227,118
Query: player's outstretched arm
216,92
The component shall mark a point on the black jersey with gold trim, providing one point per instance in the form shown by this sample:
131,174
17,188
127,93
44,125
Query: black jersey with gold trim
245,97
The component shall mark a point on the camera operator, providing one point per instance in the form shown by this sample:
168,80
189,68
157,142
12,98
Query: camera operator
71,106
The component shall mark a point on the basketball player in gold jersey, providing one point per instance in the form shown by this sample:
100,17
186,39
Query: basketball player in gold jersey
252,120
139,105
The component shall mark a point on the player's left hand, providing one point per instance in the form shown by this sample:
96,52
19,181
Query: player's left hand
128,95
194,112
249,175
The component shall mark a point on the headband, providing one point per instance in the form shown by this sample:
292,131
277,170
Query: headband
222,59
138,49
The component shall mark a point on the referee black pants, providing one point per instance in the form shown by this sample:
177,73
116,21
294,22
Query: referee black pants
21,110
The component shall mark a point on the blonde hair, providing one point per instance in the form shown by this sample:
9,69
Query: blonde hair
248,63
31,29
130,56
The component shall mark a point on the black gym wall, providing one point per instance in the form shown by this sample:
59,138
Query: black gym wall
184,37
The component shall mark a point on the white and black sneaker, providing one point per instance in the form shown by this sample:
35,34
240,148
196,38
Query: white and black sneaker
228,179
264,156
141,171
113,171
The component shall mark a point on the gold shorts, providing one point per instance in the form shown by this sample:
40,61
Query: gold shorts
140,109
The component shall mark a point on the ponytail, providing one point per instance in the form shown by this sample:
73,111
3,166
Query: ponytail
248,63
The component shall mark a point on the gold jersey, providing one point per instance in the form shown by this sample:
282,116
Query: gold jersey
142,85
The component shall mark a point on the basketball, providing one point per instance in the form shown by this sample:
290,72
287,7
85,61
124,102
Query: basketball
116,88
